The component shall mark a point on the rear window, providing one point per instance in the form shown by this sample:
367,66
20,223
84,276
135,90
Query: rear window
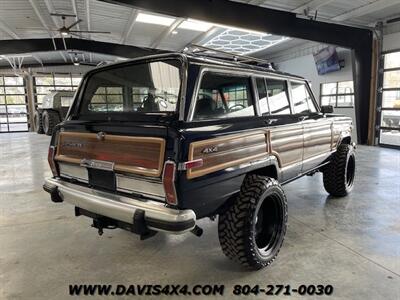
151,87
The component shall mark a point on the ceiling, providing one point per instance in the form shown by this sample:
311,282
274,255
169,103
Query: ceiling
27,19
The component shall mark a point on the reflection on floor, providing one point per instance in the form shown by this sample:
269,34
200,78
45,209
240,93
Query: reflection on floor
352,243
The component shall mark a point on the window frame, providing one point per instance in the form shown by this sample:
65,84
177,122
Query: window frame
381,109
288,95
336,95
75,111
310,93
54,86
237,73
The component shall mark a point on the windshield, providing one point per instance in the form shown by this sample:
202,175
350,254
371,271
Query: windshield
151,87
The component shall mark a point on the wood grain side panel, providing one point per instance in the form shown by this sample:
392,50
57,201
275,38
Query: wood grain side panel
230,151
140,155
287,144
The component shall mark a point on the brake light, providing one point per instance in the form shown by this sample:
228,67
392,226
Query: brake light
50,159
168,179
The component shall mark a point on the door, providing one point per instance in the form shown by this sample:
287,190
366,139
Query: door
317,134
13,104
389,101
286,130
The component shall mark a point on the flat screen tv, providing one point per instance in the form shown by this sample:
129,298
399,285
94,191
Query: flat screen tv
326,60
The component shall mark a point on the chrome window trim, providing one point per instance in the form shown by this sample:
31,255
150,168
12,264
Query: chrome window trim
216,70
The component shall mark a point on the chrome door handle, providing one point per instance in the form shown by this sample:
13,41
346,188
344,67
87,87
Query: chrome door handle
270,121
302,118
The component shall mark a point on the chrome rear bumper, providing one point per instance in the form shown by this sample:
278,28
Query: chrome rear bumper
156,216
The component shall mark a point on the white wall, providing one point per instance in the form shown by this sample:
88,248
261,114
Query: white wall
305,66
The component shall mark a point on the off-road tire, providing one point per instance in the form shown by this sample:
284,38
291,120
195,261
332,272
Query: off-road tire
37,122
49,120
338,175
237,225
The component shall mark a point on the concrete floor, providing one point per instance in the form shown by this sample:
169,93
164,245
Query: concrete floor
352,243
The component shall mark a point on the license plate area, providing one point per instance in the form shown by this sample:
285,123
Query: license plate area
103,179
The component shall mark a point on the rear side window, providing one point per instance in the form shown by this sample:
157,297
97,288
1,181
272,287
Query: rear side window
223,96
262,96
278,96
302,102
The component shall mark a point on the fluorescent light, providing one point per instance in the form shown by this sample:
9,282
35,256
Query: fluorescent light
153,19
174,32
76,63
195,25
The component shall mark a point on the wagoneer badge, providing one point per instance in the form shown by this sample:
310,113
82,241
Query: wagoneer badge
101,135
209,150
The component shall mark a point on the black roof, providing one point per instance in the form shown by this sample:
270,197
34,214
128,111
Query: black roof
205,60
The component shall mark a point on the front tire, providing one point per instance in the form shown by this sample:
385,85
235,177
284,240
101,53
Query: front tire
252,230
49,120
339,175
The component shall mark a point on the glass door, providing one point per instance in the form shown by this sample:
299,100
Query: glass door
13,104
389,109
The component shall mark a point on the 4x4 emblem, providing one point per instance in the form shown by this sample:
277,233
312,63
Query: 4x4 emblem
209,150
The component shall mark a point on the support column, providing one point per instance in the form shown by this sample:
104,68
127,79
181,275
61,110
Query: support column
31,99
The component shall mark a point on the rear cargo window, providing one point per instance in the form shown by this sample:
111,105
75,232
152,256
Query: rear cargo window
151,87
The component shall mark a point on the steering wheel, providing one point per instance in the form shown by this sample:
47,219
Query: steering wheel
162,101
236,107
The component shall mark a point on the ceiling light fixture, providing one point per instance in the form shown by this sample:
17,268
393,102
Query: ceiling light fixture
174,32
243,41
154,19
195,25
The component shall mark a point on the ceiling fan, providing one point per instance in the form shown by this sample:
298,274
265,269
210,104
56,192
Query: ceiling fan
65,30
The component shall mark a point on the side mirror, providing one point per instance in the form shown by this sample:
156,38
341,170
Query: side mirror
327,109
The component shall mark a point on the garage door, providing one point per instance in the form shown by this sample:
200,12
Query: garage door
389,110
13,104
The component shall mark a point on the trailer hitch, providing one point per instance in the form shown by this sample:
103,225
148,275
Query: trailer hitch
103,223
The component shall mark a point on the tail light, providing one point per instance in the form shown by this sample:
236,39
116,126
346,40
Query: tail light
168,179
50,159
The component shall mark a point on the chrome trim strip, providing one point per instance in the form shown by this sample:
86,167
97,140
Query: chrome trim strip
118,207
73,171
316,157
132,184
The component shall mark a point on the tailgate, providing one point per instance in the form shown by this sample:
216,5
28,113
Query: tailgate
127,154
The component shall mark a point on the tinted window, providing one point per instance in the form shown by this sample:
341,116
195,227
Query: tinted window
262,95
145,87
302,102
277,96
223,96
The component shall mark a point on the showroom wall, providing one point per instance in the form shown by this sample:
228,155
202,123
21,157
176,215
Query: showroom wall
305,66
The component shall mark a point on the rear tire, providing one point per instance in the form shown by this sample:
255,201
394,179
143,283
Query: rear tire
37,122
251,231
339,175
49,120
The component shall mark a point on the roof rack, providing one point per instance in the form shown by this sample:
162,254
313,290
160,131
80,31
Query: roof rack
214,53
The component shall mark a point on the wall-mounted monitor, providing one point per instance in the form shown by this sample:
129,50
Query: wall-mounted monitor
327,60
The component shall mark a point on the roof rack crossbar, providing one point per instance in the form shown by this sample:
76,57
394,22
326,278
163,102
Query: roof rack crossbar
200,50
